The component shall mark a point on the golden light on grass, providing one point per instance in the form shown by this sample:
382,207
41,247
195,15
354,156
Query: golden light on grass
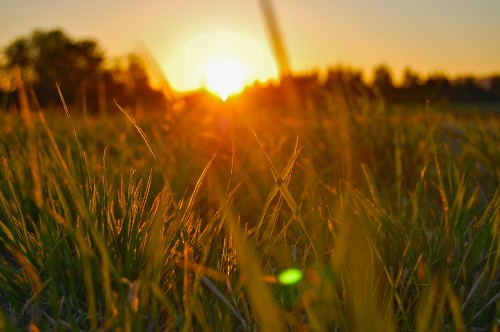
225,75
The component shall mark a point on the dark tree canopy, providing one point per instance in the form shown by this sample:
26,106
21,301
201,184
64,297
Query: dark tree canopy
50,57
47,58
382,76
410,79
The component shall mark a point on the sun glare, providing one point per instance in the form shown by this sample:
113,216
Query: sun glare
224,75
220,61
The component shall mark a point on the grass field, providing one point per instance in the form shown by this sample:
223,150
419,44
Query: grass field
186,222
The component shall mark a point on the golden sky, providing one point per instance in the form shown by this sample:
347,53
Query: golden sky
450,36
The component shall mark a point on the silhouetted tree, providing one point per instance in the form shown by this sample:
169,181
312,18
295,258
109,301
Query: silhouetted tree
345,82
382,76
466,89
132,78
383,83
410,79
495,85
437,87
137,77
50,57
18,53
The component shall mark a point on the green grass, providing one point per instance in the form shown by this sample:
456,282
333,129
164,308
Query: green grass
185,223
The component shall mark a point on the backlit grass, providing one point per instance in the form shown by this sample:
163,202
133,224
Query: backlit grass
143,223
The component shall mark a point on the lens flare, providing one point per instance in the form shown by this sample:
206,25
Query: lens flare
290,276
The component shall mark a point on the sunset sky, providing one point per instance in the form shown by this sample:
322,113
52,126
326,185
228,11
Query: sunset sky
450,36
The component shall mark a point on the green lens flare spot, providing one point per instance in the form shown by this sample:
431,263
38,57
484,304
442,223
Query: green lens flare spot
290,276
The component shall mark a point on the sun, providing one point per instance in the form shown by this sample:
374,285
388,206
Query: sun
224,75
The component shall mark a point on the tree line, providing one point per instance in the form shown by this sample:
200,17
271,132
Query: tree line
349,86
436,87
91,82
88,80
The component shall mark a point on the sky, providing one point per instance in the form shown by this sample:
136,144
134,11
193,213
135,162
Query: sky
454,37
